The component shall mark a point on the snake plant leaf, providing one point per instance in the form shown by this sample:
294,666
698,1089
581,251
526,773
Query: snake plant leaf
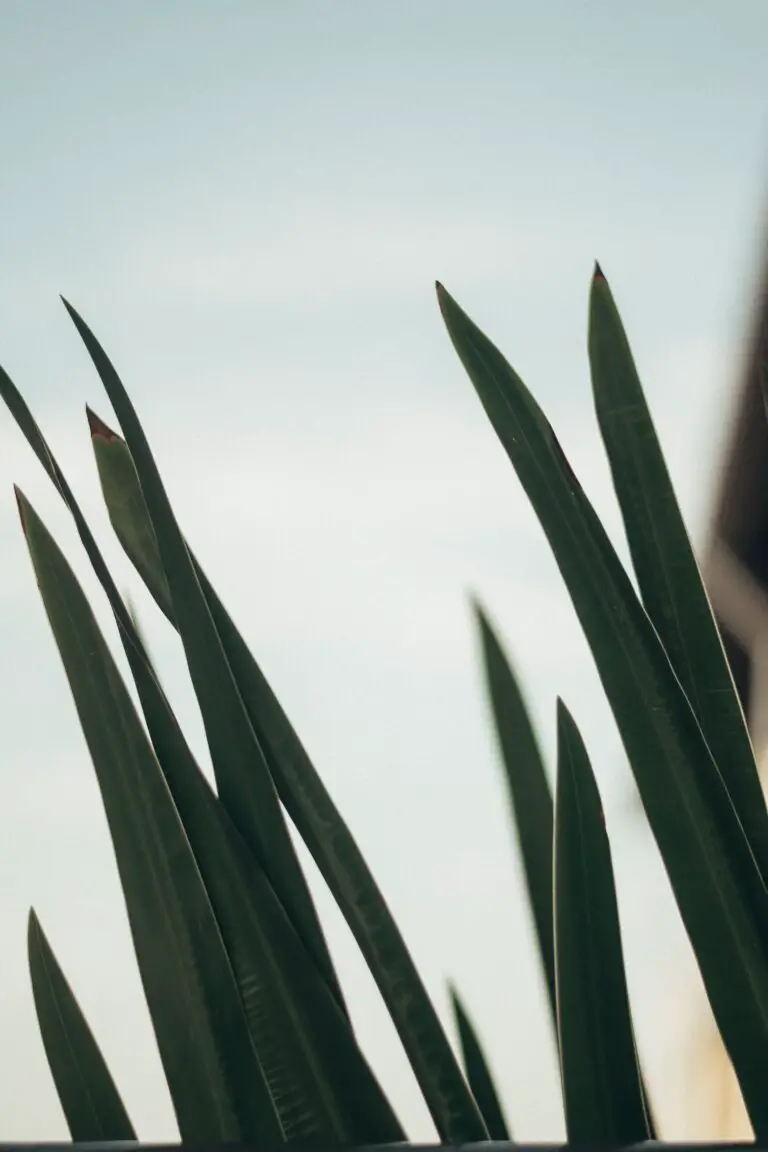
346,1104
479,1072
214,1076
90,1101
323,1087
700,838
601,1085
321,1084
242,775
528,788
319,823
127,510
320,1081
668,575
531,800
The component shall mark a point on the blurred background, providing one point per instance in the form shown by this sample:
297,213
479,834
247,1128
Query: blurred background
250,202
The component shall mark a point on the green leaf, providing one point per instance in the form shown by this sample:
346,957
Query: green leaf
601,1086
320,1081
478,1072
329,840
717,885
529,792
216,1082
244,783
90,1101
668,575
531,799
127,508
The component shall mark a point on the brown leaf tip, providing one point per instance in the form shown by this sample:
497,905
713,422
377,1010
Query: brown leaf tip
598,273
99,428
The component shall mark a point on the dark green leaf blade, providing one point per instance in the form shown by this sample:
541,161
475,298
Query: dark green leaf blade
700,838
531,799
479,1072
244,782
601,1086
127,510
668,575
321,1083
528,788
214,1076
90,1101
329,840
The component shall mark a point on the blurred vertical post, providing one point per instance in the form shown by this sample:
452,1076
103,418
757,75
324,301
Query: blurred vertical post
735,567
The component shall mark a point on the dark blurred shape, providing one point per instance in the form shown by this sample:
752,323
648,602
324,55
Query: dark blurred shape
735,569
736,561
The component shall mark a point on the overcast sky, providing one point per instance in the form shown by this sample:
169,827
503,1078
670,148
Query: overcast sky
249,203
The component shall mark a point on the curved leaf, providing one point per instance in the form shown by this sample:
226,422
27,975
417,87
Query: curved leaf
601,1086
531,799
716,882
127,510
299,1039
90,1101
317,819
529,792
242,776
216,1082
478,1072
668,575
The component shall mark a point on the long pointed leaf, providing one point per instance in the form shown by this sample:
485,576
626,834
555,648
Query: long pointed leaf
214,1076
668,575
689,810
529,792
479,1072
314,814
350,1099
531,800
601,1086
89,1099
127,509
244,782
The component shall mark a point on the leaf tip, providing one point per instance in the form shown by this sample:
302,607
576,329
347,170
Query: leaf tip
566,725
598,273
475,603
34,929
74,315
98,428
564,718
21,504
482,619
446,302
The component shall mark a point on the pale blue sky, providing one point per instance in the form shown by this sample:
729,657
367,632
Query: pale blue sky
250,203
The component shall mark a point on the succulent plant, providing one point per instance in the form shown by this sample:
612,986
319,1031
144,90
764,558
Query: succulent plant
253,1031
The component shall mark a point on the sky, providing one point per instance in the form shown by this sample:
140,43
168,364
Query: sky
250,203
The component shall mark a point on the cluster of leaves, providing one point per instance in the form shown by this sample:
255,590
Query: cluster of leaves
251,1023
